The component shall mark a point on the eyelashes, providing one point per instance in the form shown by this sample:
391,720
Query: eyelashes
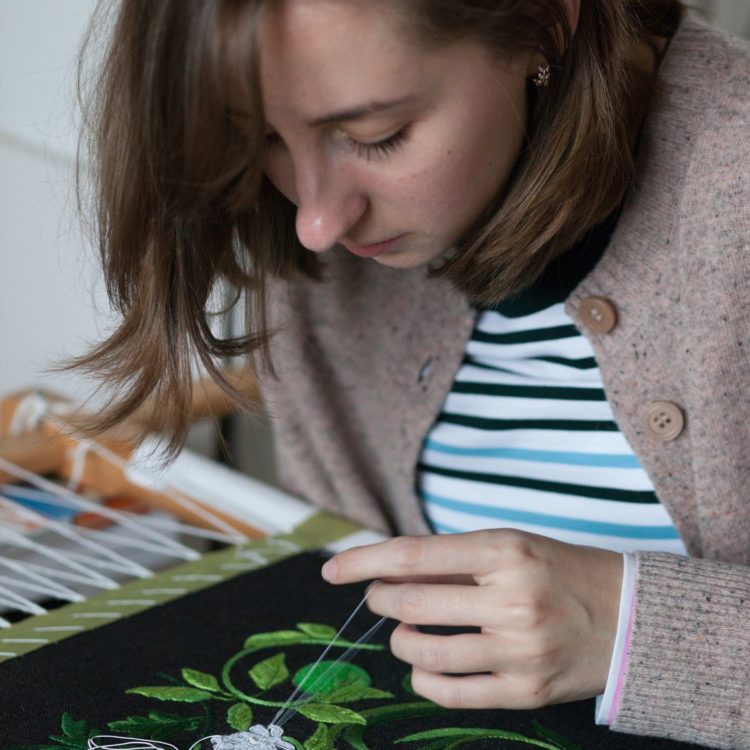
363,150
381,148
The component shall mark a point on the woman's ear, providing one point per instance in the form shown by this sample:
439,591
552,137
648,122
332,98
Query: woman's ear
573,11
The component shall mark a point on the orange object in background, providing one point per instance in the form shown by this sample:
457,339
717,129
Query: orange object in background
93,520
48,446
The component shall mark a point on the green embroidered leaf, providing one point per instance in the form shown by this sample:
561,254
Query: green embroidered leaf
201,680
355,736
76,730
322,739
75,733
328,714
330,676
401,712
551,736
269,672
455,736
406,684
157,725
169,693
240,717
276,638
317,630
352,693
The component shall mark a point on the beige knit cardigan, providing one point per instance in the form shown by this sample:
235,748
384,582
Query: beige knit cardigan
365,361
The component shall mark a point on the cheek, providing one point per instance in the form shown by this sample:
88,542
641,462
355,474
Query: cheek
469,153
460,183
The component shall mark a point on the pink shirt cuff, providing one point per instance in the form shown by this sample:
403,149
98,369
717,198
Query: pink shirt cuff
608,703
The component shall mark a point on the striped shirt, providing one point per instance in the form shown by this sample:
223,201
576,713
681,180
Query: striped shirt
526,437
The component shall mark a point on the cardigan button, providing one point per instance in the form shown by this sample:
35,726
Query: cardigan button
664,421
598,314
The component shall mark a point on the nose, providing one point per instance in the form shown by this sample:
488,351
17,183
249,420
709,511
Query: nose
328,206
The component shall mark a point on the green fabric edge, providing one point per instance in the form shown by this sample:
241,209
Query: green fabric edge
167,585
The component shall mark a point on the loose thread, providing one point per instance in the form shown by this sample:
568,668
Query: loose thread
345,657
285,713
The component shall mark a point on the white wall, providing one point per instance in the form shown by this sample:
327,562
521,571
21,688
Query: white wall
733,15
50,303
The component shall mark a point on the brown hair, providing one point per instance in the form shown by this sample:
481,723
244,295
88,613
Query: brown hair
182,206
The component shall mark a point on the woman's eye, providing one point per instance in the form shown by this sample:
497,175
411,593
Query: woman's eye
380,148
363,150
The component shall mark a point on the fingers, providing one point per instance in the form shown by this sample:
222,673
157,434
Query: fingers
481,691
438,659
438,555
434,604
452,654
547,613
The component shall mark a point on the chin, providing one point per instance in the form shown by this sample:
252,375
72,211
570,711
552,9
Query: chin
405,259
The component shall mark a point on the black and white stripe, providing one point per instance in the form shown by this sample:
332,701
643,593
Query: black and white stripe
527,439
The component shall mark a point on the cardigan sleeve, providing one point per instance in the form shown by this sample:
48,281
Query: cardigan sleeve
689,655
688,658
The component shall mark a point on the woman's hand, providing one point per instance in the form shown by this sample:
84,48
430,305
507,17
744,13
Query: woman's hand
547,613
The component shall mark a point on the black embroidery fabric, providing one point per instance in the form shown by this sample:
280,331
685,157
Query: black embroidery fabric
68,689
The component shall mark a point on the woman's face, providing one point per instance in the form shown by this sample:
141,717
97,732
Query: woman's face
387,148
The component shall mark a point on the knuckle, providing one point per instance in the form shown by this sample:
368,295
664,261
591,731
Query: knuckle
512,548
520,550
433,659
411,602
419,649
447,694
542,649
407,552
533,612
454,695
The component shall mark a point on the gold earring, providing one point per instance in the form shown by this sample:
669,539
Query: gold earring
541,79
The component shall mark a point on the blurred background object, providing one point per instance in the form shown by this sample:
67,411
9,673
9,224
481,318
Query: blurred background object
52,302
732,15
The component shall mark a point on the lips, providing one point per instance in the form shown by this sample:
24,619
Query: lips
372,249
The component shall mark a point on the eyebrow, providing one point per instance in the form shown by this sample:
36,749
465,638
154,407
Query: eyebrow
359,113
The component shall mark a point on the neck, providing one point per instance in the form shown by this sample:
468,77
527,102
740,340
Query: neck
648,53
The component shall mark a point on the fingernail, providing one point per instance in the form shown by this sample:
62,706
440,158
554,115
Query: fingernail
328,571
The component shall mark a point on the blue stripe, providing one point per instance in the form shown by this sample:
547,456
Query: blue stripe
556,522
55,511
609,461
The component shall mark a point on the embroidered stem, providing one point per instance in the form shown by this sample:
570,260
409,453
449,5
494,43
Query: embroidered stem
235,691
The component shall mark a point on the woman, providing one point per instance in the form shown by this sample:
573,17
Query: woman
404,190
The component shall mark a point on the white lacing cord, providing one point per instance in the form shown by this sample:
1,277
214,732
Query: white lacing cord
115,742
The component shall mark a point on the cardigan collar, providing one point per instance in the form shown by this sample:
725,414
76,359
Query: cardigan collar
630,268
